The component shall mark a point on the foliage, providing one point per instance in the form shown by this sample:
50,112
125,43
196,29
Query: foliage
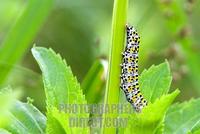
60,88
94,81
185,118
18,117
82,43
154,81
117,41
22,33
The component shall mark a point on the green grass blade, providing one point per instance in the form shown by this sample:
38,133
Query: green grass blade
22,33
94,81
117,45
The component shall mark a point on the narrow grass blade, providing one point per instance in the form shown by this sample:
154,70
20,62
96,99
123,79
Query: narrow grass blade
22,33
94,81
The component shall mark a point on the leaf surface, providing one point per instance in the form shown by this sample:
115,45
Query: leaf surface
62,89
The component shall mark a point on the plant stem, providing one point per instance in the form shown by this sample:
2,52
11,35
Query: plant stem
117,45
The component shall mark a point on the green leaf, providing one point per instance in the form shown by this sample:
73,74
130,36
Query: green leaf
151,117
61,88
22,33
21,118
195,132
27,81
160,128
54,126
117,44
3,131
154,84
155,81
25,118
94,81
183,118
7,99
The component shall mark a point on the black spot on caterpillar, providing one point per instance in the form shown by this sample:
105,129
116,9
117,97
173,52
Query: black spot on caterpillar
129,70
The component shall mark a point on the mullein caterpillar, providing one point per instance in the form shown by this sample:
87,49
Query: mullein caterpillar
129,68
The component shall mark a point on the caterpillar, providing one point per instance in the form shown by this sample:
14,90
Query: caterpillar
129,70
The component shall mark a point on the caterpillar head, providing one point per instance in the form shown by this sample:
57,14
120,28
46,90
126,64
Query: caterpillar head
129,28
132,35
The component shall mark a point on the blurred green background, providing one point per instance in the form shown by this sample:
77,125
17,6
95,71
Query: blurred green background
80,31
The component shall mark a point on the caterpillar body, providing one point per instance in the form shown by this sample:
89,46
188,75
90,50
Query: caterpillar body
129,70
